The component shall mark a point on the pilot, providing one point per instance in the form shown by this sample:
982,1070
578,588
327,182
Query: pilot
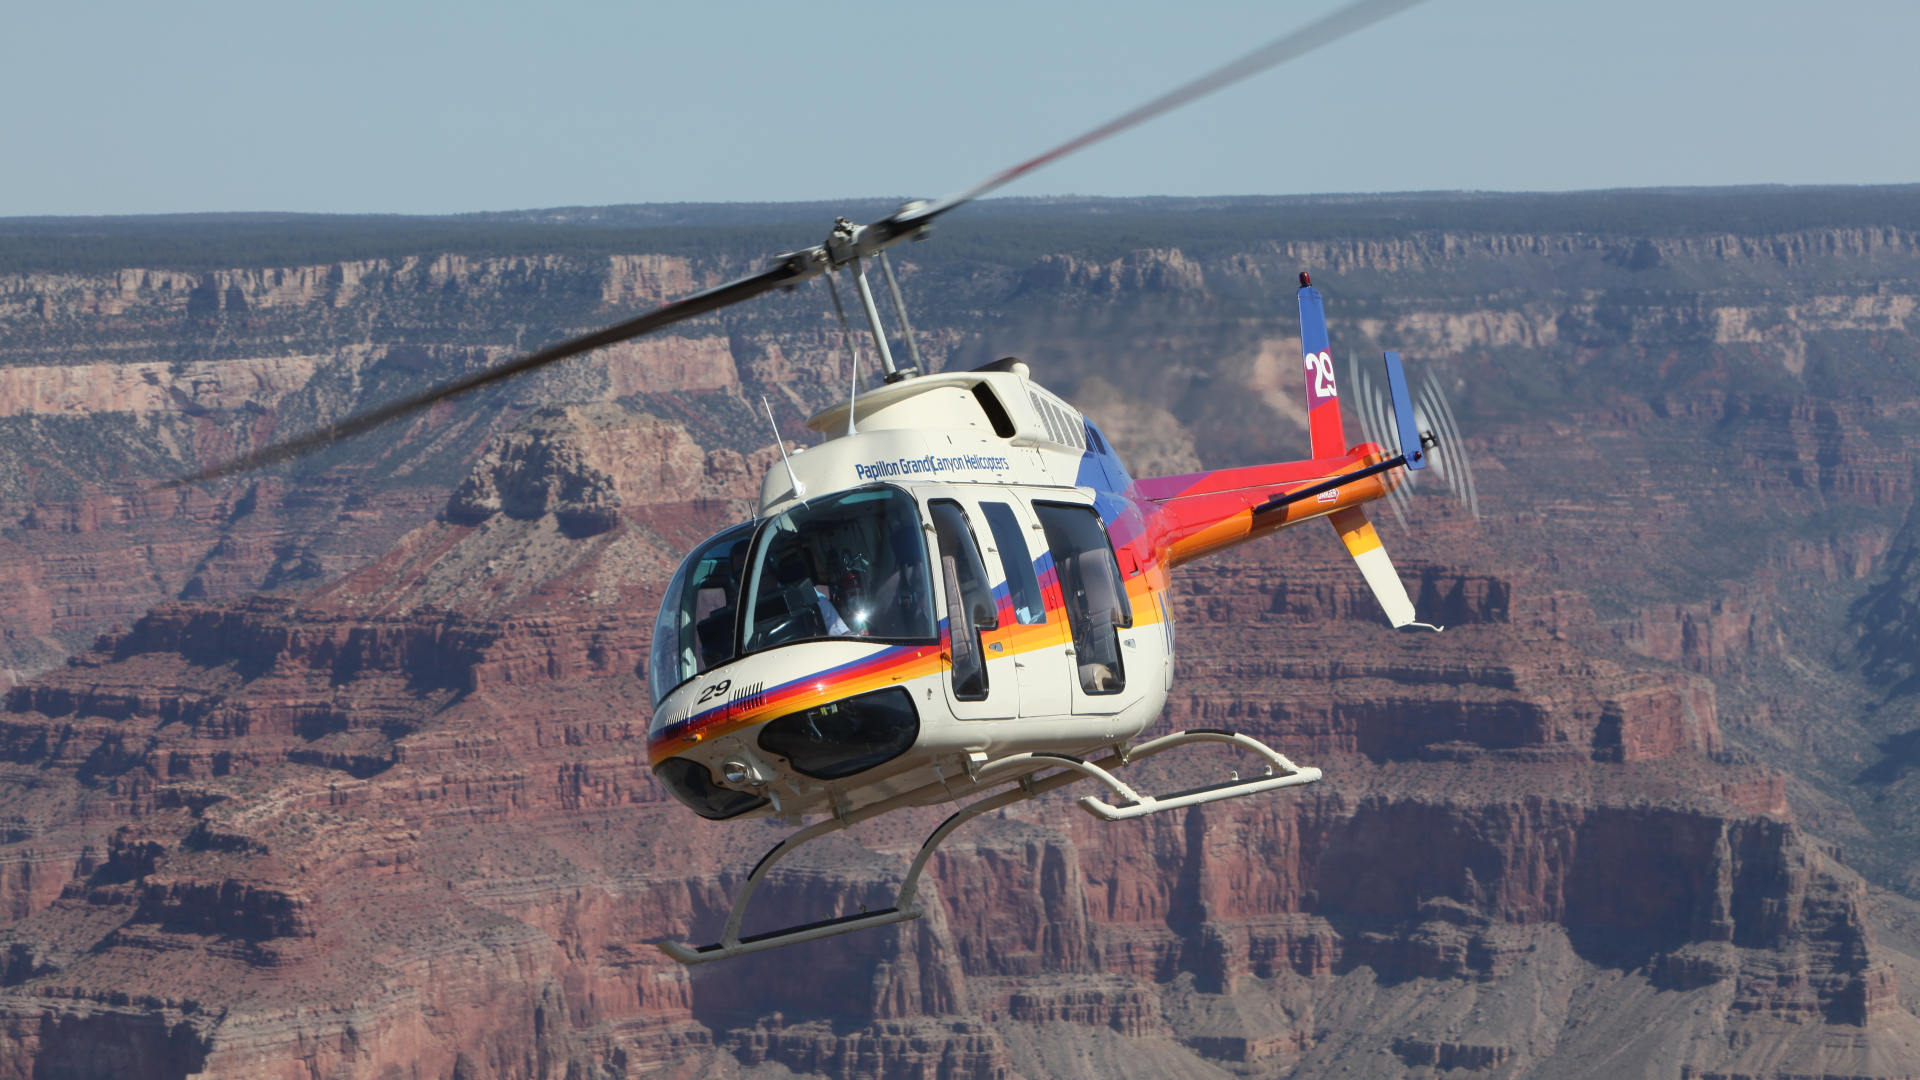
836,626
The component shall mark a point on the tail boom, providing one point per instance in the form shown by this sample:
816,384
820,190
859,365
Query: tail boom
1199,514
1216,517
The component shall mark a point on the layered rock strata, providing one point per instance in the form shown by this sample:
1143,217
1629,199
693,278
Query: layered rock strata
394,817
404,823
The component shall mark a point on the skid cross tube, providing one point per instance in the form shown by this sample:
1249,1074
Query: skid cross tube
1280,773
1017,767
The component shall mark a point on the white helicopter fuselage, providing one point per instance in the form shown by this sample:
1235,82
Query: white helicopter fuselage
931,440
1028,494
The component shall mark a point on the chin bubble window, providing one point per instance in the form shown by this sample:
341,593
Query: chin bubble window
839,739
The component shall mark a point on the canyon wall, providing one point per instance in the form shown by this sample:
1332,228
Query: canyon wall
338,770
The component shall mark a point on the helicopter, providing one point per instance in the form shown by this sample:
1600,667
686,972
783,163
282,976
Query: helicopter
962,587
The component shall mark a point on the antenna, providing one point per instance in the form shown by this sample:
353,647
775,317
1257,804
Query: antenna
853,392
799,489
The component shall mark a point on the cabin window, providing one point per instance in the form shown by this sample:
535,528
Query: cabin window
1023,585
694,630
841,738
970,606
1096,598
848,565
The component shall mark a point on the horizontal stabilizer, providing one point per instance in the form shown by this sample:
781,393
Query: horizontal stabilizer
1363,543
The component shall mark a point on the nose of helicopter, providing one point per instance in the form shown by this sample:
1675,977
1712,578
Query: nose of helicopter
790,720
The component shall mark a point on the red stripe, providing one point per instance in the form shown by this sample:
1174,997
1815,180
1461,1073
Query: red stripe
1328,433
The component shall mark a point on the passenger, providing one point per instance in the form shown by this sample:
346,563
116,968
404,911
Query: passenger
1092,578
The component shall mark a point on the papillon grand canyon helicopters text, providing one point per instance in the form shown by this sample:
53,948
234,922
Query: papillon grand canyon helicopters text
961,595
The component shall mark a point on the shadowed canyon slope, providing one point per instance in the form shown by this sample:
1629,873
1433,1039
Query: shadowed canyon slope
337,770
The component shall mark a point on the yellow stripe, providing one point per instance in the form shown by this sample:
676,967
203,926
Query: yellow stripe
1018,638
1355,530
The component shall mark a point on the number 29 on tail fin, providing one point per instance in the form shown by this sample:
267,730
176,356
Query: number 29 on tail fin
1324,427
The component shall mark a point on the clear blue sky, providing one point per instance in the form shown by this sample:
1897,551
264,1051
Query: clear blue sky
122,107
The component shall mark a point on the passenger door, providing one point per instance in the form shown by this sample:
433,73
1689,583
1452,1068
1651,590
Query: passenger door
981,682
1033,629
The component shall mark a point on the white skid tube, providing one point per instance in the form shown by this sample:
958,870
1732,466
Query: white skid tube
1280,773
1024,768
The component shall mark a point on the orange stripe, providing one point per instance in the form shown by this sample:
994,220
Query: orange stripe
1355,530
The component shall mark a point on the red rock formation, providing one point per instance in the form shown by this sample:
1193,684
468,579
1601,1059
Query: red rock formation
395,819
401,825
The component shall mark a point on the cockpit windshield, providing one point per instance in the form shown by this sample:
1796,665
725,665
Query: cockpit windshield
848,565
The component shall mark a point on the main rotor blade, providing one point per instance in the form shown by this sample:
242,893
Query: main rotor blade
1340,23
1333,27
680,310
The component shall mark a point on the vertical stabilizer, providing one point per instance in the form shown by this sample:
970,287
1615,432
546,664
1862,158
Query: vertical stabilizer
1328,435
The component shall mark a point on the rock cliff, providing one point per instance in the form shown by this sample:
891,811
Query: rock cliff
355,788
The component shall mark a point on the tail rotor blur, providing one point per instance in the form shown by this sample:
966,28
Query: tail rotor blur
1449,465
1433,413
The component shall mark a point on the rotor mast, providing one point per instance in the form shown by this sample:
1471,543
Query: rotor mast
846,249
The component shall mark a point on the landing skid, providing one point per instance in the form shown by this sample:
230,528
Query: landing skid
1022,767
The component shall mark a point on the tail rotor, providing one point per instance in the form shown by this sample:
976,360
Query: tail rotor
1449,465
